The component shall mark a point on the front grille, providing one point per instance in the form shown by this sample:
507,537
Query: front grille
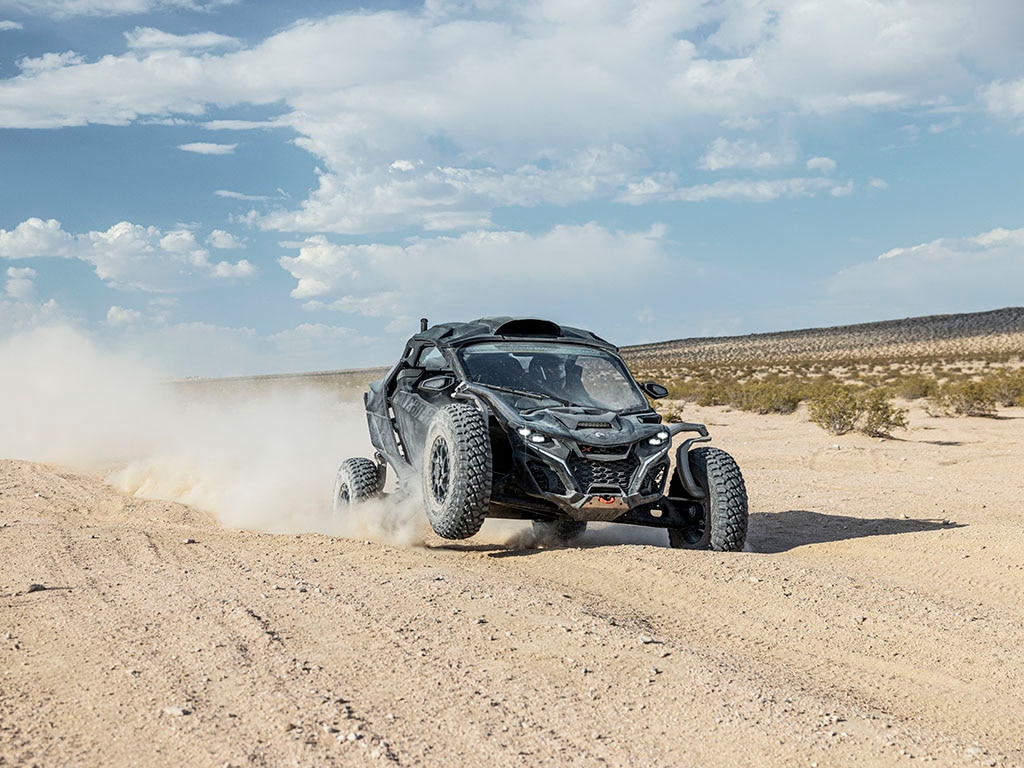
604,450
588,472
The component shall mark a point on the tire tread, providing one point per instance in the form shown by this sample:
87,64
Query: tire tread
717,472
469,495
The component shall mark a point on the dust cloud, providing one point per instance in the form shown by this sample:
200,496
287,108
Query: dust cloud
264,461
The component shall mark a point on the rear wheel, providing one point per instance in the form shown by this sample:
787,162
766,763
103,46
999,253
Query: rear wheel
558,531
457,471
358,479
722,523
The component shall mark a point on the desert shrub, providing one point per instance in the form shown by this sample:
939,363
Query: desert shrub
818,386
711,393
765,396
836,412
670,412
868,411
1006,387
677,390
879,417
915,387
963,398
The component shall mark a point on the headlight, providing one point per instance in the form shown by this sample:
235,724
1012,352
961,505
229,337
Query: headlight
659,438
533,437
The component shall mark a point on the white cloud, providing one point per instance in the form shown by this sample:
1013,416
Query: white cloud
227,193
959,274
489,105
122,316
742,123
20,283
1004,99
447,198
34,238
723,154
7,26
223,240
842,190
48,62
206,148
20,310
65,8
482,272
878,183
652,189
947,125
126,256
821,164
147,38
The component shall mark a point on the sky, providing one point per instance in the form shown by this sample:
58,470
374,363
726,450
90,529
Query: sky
231,187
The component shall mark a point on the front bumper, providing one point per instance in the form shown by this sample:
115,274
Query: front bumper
587,483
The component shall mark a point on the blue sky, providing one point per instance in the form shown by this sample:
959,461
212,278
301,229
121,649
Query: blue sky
231,187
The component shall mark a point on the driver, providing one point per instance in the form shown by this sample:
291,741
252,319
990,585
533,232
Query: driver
549,371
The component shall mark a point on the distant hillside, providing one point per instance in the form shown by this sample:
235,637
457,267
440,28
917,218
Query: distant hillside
979,335
995,334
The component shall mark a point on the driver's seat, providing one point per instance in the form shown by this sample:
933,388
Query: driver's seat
500,370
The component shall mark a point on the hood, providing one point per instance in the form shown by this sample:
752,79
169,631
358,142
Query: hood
589,425
593,426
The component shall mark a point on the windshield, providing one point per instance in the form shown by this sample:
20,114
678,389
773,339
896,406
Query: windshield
566,373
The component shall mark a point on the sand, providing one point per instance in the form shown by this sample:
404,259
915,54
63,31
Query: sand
877,619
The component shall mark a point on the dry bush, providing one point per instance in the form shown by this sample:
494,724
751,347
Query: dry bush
962,398
779,385
1006,387
671,412
868,411
765,396
711,393
879,417
837,412
915,386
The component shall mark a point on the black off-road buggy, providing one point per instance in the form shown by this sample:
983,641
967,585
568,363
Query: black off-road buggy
527,419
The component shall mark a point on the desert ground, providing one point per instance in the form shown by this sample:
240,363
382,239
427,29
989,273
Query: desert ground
876,618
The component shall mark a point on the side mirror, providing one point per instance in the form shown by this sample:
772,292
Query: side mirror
437,383
653,390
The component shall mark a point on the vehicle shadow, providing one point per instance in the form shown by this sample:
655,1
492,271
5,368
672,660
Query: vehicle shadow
512,549
773,532
769,533
599,535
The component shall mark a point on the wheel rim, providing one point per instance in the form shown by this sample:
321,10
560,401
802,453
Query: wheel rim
698,525
440,470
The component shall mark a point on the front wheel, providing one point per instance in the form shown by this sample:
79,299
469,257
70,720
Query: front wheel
722,524
457,471
358,479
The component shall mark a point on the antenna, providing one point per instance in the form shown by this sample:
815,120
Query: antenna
423,324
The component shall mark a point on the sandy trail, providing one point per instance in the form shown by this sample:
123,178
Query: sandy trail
876,621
